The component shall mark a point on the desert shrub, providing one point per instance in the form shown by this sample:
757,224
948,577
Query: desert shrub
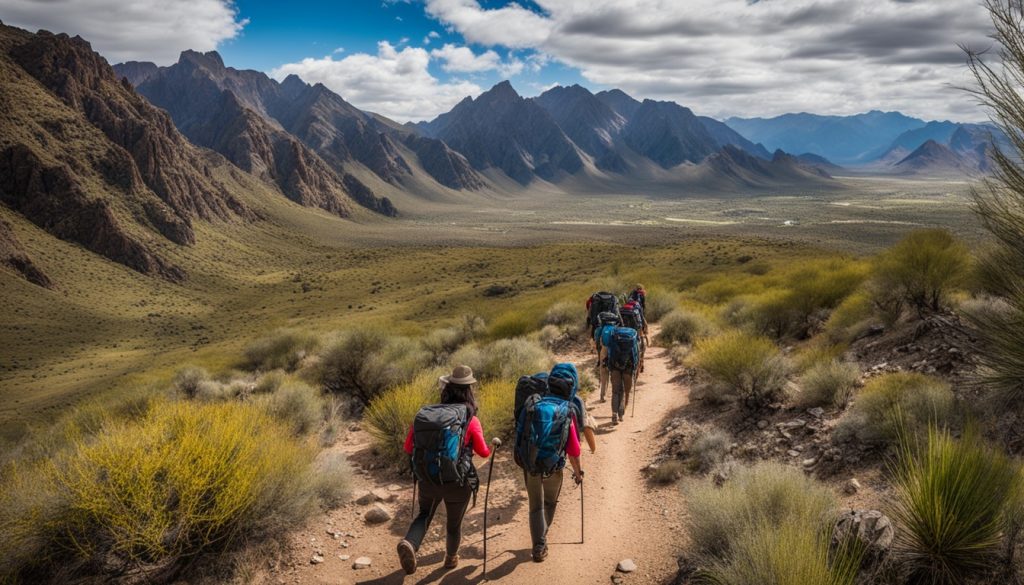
298,406
268,383
441,343
742,365
566,314
851,317
332,479
766,493
360,364
212,391
284,349
188,380
685,326
391,413
495,400
951,499
814,354
588,383
668,472
660,302
828,383
923,268
513,324
550,336
788,553
725,288
30,510
999,324
891,402
186,479
505,359
708,450
678,355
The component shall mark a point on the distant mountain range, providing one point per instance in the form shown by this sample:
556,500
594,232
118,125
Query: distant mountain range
877,140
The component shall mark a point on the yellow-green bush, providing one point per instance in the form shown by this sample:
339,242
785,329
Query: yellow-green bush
742,366
685,326
660,302
513,324
851,317
390,414
766,493
923,268
188,380
284,349
268,383
298,406
186,479
566,314
891,402
31,507
332,479
708,450
828,383
496,400
441,343
952,497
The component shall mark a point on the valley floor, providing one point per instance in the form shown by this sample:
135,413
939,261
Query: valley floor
625,516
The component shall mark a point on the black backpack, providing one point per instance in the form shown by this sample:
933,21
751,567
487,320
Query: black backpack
623,350
526,387
631,318
602,302
438,439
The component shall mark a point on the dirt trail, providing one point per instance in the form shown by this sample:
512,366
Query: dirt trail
626,516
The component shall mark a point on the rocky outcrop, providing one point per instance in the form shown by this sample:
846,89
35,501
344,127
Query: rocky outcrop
13,256
668,134
165,161
588,122
53,199
446,166
136,71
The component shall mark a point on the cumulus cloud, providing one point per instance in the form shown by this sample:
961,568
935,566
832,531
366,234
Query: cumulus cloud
141,30
463,60
395,83
430,36
737,57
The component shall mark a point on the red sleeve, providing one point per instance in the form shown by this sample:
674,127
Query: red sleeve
475,437
572,447
408,442
589,300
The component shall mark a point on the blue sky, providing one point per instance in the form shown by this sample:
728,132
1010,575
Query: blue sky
720,57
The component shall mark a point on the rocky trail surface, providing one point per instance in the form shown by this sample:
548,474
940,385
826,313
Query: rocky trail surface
626,516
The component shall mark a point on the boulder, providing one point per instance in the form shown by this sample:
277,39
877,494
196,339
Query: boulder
377,515
851,486
872,528
626,566
362,563
365,497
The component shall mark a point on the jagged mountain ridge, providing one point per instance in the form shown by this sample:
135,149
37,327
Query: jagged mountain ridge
87,159
337,132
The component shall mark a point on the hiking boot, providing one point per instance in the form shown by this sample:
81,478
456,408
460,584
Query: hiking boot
615,419
450,562
540,552
407,557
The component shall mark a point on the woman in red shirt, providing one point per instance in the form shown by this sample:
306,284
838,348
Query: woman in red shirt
455,389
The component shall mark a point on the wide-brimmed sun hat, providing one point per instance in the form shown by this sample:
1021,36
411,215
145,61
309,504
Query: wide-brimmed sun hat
459,375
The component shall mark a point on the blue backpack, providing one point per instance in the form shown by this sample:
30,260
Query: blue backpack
623,351
438,439
543,424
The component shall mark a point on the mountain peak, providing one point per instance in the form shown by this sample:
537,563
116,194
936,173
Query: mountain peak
503,90
210,60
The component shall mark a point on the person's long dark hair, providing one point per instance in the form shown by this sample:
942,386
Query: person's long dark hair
459,394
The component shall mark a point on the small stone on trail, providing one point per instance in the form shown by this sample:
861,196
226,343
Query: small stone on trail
793,453
377,514
762,424
617,579
809,462
362,563
383,496
626,566
344,557
364,498
851,486
316,560
394,488
816,412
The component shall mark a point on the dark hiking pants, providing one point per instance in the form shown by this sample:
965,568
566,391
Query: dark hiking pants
543,493
622,387
456,499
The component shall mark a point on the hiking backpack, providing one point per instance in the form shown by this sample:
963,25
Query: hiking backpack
632,317
639,295
543,425
608,318
526,387
622,350
602,302
438,440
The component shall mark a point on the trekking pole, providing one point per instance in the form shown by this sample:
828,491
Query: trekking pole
583,534
633,392
487,496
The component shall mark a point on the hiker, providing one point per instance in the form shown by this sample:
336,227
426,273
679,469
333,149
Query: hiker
600,302
639,295
602,336
443,473
632,316
546,436
622,361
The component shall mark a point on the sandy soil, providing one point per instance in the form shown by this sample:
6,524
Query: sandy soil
625,515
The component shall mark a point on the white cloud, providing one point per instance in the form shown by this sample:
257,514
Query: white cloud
395,83
463,60
141,30
742,57
430,36
338,50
